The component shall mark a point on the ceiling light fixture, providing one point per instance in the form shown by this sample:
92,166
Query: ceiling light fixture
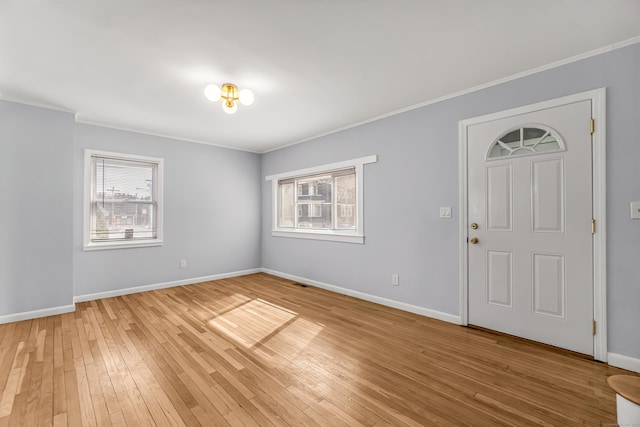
229,95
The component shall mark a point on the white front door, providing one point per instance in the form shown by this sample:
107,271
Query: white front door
530,209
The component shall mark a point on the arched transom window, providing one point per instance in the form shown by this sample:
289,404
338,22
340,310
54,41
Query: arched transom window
525,140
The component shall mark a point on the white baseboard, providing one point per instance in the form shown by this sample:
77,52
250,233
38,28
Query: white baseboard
28,315
127,291
446,317
624,362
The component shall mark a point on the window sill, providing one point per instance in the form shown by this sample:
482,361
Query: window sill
120,245
320,235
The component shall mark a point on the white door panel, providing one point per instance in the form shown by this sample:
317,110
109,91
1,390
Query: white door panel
499,278
547,204
500,197
530,274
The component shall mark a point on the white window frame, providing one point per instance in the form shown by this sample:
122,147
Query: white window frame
347,236
88,245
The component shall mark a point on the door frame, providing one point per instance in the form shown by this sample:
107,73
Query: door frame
597,98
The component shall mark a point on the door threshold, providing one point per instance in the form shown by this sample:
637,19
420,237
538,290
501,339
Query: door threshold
525,341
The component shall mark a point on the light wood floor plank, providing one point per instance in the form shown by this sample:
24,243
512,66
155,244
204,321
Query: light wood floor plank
46,355
74,414
60,420
261,351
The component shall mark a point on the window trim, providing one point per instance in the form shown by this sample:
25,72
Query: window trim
87,244
347,236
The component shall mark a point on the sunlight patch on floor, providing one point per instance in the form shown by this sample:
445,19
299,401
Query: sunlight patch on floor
274,332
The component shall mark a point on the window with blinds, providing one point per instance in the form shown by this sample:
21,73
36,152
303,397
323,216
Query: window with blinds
124,203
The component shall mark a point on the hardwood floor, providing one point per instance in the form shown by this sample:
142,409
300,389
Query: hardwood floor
259,350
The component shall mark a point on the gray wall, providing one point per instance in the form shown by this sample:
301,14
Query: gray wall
36,225
417,172
211,214
211,211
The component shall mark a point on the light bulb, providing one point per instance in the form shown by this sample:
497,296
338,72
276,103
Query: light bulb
229,109
246,97
212,92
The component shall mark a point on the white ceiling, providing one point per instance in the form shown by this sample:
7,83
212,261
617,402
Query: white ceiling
315,66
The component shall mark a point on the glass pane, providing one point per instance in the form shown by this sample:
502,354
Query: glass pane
549,143
512,137
314,202
346,202
123,205
285,217
117,219
498,151
532,135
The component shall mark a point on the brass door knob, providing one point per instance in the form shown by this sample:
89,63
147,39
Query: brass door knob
474,226
473,240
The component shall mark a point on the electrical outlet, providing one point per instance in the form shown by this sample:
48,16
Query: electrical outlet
183,263
395,280
445,212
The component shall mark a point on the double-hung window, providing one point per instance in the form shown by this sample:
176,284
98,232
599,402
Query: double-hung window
324,202
123,200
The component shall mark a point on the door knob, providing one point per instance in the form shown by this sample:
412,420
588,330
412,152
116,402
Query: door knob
474,226
473,240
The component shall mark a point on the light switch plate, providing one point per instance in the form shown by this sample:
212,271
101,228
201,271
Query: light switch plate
445,212
635,210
